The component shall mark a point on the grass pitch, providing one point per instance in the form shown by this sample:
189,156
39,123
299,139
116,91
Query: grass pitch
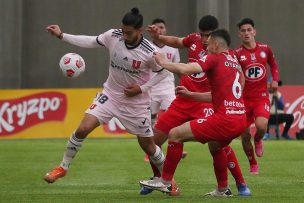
108,170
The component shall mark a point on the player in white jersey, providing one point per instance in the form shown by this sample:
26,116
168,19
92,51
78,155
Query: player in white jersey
126,91
163,93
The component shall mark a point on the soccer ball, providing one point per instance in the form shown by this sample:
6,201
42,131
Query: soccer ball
72,65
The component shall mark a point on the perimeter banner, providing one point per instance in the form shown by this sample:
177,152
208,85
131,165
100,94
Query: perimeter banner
49,113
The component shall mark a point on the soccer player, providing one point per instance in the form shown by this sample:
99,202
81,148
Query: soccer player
184,109
126,91
229,119
163,93
254,57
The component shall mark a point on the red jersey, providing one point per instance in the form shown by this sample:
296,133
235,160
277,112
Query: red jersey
254,64
194,82
224,74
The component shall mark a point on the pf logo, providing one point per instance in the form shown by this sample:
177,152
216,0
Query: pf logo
255,72
198,77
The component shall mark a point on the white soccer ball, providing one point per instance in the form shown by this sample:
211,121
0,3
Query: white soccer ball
72,65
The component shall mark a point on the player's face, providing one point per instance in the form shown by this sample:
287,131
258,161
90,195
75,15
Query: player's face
247,33
161,28
205,35
131,35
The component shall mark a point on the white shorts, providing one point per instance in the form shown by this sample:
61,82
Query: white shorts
161,102
136,119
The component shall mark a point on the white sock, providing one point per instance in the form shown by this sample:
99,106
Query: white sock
72,148
158,159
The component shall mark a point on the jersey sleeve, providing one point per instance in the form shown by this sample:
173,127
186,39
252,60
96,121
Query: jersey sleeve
207,62
107,38
189,39
273,65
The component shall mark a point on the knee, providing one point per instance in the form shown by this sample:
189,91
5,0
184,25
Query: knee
174,135
262,126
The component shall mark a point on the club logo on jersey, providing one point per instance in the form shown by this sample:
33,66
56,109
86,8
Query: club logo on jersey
263,54
255,72
252,56
243,58
169,56
136,64
193,47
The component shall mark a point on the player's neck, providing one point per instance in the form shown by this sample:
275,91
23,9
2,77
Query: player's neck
249,45
158,43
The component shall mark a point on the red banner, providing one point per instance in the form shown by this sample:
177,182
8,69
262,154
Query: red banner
294,104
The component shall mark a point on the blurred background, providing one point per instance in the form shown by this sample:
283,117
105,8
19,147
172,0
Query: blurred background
30,56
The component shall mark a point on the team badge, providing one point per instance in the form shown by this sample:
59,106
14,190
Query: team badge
136,64
263,54
255,72
202,54
169,56
252,56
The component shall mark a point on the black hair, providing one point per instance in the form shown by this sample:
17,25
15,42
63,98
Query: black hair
222,33
245,21
133,18
158,20
208,23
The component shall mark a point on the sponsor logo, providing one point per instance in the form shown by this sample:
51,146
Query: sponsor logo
19,114
243,58
297,109
255,72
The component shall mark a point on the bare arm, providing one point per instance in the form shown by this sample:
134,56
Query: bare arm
180,68
171,41
198,96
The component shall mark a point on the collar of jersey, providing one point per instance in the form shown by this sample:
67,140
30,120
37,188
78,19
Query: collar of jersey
135,46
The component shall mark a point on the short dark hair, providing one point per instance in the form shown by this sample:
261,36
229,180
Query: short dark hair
133,18
208,23
245,21
222,33
158,20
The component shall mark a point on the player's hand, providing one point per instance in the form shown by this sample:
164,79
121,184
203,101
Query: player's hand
153,31
54,30
132,91
274,86
182,91
159,58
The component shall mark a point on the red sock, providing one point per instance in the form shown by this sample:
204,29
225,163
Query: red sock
233,166
174,155
251,157
220,163
156,172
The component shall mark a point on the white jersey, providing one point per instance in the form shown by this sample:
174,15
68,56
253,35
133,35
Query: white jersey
128,66
172,55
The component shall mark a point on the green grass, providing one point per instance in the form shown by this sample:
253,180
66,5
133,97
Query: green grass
108,170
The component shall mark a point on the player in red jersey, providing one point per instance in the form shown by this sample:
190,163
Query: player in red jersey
184,109
254,57
218,130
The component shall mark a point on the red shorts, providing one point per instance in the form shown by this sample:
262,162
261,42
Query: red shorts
175,116
258,108
218,127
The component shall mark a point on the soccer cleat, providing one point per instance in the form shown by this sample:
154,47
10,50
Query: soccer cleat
217,193
184,154
157,184
175,189
145,190
254,169
243,190
56,173
147,158
259,150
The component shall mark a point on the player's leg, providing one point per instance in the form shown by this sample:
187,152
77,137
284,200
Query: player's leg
177,136
261,124
88,123
249,151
